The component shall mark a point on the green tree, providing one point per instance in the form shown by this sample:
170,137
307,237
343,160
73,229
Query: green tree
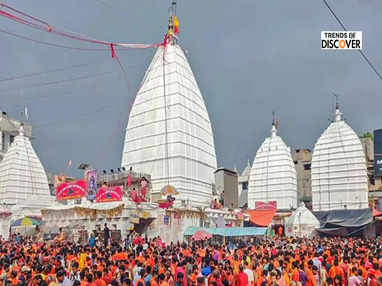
367,135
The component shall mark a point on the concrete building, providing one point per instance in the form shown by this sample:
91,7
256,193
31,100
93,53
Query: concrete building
302,159
372,148
339,173
9,129
226,182
243,186
374,182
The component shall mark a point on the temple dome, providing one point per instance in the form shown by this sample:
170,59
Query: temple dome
301,223
23,181
273,175
247,170
339,174
174,144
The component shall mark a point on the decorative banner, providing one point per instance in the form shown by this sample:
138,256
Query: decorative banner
135,197
58,180
168,190
71,190
109,194
264,205
166,220
164,204
143,189
91,182
129,180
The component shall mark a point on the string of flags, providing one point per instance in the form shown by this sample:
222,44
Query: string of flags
42,25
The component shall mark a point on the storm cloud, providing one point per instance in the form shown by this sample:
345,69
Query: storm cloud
249,58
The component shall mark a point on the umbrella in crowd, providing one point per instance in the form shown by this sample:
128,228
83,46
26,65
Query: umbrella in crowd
201,235
26,221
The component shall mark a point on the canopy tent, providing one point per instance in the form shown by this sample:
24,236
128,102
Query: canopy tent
143,225
228,231
26,221
355,222
301,223
201,234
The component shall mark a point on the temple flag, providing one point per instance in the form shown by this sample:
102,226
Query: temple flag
128,180
176,25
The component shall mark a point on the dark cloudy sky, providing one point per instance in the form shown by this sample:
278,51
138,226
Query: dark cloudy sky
249,58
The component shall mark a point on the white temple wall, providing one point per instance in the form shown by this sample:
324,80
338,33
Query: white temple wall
5,224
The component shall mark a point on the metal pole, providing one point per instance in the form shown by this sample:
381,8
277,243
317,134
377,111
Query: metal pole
299,222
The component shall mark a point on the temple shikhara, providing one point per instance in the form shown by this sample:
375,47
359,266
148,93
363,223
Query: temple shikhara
339,174
273,175
169,132
23,181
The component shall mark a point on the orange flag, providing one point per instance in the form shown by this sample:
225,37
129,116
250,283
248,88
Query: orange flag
176,25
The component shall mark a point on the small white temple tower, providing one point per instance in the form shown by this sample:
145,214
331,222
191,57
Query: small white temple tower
339,174
273,174
23,181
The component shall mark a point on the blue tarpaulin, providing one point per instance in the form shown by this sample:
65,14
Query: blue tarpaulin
229,231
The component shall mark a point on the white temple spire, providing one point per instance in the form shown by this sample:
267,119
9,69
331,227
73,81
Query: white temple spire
273,174
274,131
339,173
169,133
23,180
338,114
21,130
274,125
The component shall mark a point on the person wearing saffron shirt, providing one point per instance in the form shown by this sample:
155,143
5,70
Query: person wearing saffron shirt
336,270
295,272
309,273
99,281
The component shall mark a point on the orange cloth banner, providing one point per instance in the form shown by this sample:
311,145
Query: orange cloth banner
261,217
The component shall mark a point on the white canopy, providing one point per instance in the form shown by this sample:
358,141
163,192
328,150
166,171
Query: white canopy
301,223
